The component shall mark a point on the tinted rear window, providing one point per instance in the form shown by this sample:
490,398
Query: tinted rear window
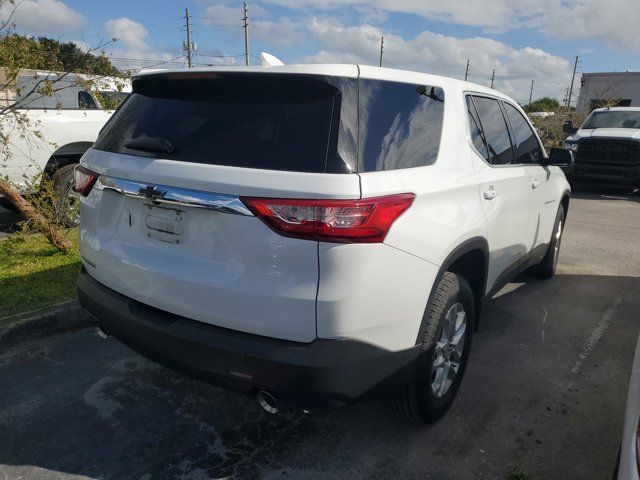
275,122
400,125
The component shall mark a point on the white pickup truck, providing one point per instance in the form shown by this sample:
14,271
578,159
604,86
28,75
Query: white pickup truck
69,122
606,148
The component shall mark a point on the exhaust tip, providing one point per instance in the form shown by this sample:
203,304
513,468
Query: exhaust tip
101,333
267,401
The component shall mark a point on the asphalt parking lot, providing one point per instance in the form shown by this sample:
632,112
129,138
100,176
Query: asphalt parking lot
543,395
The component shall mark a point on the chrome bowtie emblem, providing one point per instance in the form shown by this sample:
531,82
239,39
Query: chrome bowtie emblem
151,192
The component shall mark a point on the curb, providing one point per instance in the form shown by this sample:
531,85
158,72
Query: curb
40,323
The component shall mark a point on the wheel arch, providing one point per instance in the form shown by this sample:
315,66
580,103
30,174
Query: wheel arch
66,155
566,197
470,260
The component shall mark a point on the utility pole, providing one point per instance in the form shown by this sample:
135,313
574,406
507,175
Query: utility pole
381,48
466,72
573,77
493,77
245,19
531,92
186,11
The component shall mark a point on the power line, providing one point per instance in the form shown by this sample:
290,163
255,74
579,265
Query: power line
173,20
173,60
218,18
209,24
220,56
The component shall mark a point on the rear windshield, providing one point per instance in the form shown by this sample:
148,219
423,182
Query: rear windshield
613,119
301,123
275,122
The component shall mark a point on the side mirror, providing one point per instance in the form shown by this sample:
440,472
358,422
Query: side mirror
568,128
559,157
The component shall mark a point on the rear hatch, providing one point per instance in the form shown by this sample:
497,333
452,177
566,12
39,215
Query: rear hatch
165,224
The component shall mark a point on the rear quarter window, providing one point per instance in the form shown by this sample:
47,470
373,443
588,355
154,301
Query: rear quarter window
400,125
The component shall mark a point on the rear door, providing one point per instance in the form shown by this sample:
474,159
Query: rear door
165,223
504,187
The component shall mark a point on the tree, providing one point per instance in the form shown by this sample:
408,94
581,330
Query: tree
44,53
544,104
18,53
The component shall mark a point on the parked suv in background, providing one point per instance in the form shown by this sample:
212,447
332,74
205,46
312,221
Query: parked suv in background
316,234
606,148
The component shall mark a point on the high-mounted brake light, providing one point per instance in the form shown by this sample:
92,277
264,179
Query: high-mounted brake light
341,221
84,180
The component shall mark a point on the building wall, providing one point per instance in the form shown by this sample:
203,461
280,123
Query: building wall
594,87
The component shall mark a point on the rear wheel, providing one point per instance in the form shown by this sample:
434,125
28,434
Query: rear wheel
547,267
445,350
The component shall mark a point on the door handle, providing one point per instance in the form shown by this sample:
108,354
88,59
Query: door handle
535,184
490,194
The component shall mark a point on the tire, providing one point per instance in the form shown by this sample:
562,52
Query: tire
424,399
547,267
66,203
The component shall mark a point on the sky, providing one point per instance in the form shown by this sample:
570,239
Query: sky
522,40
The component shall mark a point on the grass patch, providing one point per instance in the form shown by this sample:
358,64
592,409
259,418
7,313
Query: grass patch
517,474
33,274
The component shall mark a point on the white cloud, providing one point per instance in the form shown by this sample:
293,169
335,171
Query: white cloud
132,44
279,34
43,17
444,55
612,21
131,33
227,13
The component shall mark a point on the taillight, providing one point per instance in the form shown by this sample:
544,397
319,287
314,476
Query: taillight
83,180
342,221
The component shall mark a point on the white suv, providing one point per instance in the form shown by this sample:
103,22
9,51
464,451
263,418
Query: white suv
315,234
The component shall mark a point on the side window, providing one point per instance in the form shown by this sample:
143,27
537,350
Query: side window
86,101
477,136
495,130
400,124
525,142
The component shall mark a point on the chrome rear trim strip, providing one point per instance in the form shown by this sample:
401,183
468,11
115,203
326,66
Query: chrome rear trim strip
182,197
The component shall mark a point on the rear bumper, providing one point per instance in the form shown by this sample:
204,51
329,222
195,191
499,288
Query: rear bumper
320,373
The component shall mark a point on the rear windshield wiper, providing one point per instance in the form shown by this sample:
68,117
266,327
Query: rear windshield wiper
431,94
150,144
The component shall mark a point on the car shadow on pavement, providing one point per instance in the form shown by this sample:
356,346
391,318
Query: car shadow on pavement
544,392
